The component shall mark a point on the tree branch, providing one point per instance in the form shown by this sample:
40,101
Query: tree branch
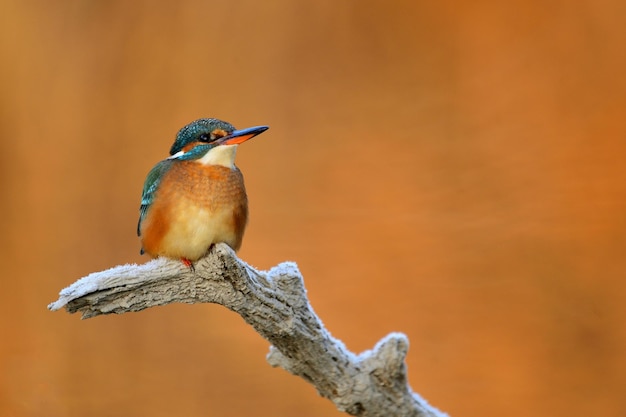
274,302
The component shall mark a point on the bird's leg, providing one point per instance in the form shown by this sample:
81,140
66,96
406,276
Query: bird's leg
188,264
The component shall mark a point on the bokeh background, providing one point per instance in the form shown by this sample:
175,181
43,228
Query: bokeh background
452,170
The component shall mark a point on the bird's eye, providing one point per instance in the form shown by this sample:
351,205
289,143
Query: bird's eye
204,138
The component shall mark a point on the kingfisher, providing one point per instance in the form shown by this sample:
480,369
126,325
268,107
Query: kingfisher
196,197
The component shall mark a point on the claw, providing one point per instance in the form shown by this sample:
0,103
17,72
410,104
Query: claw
188,264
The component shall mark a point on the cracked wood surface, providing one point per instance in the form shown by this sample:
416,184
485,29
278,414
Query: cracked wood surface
274,303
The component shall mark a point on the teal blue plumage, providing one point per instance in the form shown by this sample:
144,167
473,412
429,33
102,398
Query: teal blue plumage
150,187
199,131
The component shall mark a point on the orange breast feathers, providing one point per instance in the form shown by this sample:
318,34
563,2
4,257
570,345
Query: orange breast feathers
194,207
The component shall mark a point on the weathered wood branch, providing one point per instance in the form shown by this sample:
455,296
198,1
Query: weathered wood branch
274,302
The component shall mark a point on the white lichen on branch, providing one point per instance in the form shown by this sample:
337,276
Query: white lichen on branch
274,302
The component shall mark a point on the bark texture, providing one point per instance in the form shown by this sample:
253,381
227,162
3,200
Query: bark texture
274,302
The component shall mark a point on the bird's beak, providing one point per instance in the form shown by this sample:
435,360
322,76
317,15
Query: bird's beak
240,136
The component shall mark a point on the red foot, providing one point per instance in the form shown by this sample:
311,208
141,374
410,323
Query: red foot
188,264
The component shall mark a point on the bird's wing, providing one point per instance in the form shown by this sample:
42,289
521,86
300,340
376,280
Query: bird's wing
150,187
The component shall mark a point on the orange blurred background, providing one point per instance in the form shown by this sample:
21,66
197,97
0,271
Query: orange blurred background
451,170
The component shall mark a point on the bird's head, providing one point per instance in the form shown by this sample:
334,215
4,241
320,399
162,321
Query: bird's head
198,138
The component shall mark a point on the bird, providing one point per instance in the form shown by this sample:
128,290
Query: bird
196,197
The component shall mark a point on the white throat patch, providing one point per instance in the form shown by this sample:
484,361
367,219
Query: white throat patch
221,155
